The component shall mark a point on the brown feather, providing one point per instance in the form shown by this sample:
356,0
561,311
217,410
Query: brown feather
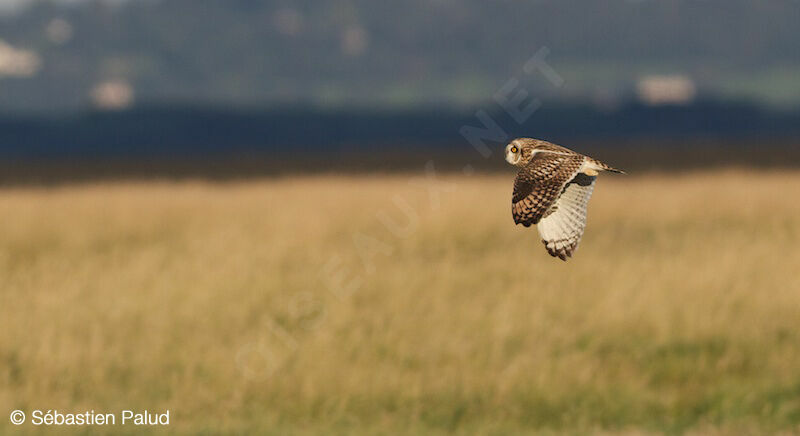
539,184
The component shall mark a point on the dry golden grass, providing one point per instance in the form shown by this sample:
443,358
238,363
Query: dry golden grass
229,305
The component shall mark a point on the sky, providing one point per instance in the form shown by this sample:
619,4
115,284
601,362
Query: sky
10,6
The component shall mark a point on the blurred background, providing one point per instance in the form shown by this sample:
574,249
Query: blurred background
185,80
292,217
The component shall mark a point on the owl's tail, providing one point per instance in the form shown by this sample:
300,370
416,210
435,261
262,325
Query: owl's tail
600,166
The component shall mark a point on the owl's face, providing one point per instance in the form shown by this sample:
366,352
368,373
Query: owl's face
518,152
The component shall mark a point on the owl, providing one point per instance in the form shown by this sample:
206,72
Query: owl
552,190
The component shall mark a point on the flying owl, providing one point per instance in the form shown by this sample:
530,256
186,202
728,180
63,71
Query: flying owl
552,190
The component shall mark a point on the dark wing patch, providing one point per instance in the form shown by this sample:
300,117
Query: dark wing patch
539,184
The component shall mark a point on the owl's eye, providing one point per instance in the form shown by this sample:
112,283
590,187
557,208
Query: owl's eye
514,149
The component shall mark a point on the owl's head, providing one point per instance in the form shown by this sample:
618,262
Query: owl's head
520,151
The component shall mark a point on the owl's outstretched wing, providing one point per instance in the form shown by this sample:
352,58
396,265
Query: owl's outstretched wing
539,184
562,228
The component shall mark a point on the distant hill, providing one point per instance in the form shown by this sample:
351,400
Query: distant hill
188,132
335,53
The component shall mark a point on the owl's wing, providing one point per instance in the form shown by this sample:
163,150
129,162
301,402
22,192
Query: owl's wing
539,184
562,228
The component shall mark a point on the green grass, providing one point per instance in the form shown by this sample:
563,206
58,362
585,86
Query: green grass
228,305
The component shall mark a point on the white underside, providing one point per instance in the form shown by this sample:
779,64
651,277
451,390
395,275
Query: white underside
563,226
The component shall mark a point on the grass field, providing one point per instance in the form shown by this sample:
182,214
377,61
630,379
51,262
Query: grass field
376,305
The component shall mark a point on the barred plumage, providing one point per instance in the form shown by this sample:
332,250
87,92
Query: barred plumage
552,190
